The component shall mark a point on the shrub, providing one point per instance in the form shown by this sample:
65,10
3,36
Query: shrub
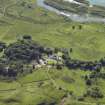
89,82
80,98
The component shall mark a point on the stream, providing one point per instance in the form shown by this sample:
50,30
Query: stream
72,16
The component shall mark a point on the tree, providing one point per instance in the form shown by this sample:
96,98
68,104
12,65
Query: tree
56,50
71,50
73,27
59,66
27,37
2,67
80,27
49,51
2,46
88,82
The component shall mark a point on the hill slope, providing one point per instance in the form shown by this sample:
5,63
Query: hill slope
51,30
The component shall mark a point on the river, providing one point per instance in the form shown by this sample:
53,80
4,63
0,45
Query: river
97,2
72,16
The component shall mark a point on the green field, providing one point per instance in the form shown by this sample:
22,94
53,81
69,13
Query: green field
39,87
51,30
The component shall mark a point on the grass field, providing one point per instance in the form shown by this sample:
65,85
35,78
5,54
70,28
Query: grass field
28,91
51,30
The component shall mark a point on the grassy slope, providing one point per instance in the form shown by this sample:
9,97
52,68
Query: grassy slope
31,94
51,30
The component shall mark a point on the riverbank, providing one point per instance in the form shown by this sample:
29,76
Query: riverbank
71,7
73,16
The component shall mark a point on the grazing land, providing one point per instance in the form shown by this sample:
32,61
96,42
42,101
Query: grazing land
51,86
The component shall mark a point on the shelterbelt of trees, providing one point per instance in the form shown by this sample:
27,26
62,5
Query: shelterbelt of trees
16,58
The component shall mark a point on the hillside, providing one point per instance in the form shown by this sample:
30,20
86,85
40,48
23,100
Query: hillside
29,33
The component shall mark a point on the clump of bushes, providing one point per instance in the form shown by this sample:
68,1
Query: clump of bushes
11,100
47,103
94,92
80,98
68,79
2,46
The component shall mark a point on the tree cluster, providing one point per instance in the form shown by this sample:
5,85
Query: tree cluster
24,51
83,65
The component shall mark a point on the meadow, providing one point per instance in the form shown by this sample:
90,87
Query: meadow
50,30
